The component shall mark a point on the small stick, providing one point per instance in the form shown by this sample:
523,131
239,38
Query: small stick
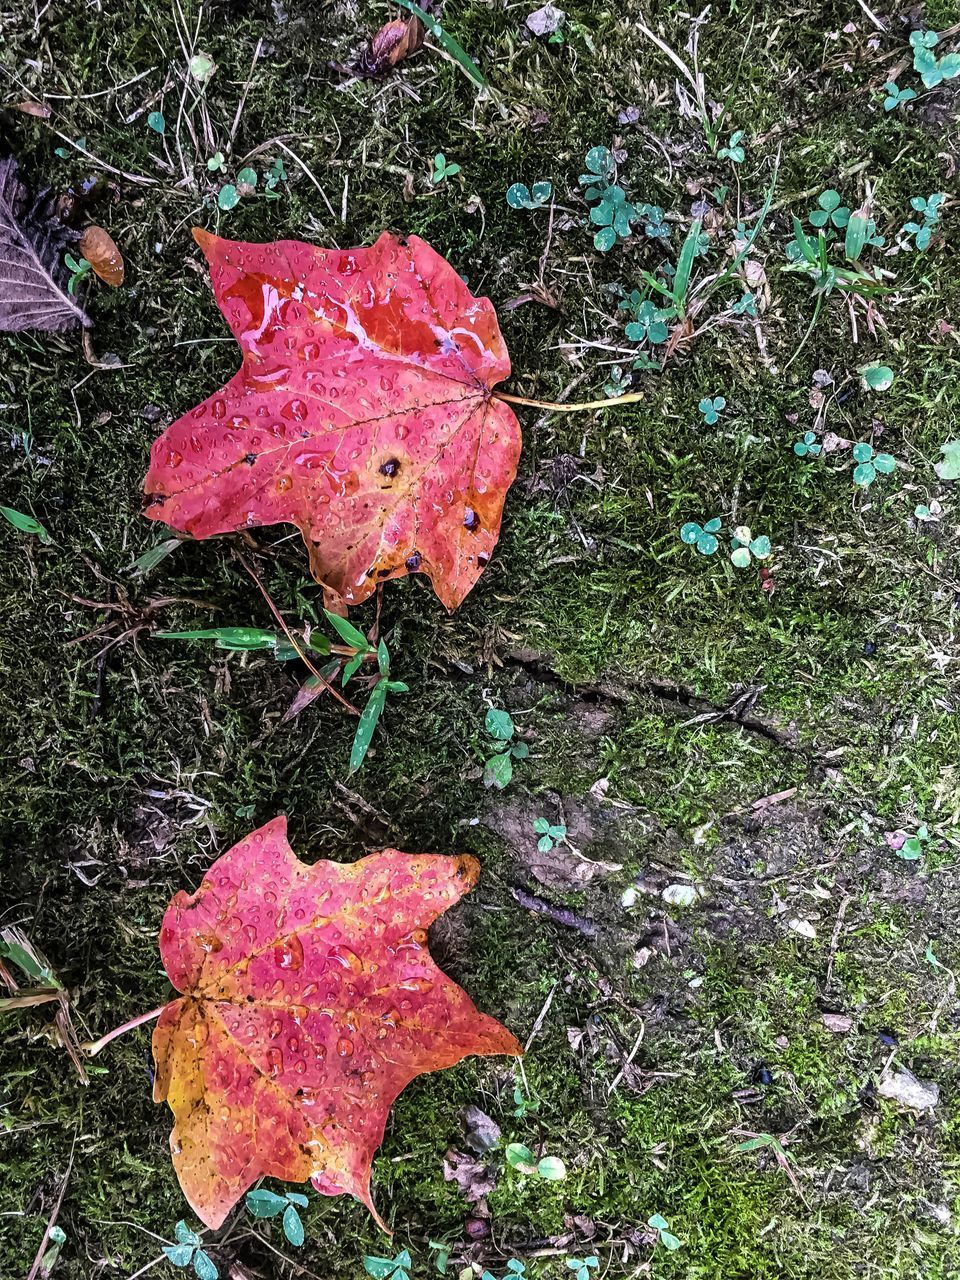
630,398
92,1047
51,1221
289,634
559,915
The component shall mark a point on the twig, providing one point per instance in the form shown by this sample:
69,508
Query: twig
51,1221
246,89
541,1016
559,915
630,398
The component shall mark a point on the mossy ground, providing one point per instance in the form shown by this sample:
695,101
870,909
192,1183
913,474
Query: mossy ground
125,775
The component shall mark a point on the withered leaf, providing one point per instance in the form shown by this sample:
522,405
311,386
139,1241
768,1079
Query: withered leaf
33,277
103,255
394,41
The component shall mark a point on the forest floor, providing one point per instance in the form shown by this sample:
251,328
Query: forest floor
764,738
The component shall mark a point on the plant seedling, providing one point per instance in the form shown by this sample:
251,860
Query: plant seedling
498,769
187,1251
664,1235
443,169
26,524
870,464
895,96
925,512
275,174
266,1204
78,269
156,122
745,306
711,409
583,1266
809,446
521,1158
744,547
761,1140
912,847
523,1104
442,1251
397,1268
612,213
703,538
452,46
948,468
216,163
514,1268
228,197
876,376
931,69
929,209
648,322
520,197
549,834
733,151
830,212
655,225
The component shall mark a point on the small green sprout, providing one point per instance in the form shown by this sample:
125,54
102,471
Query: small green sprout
870,464
228,197
156,122
397,1268
202,67
925,512
912,847
655,225
744,547
520,197
648,323
275,174
876,376
78,269
521,1158
809,446
745,306
549,833
733,151
523,1104
617,382
65,153
613,213
929,210
247,178
498,769
703,538
514,1268
895,96
442,1251
187,1250
931,69
583,1266
711,408
830,212
948,468
266,1204
216,163
442,169
664,1234
26,524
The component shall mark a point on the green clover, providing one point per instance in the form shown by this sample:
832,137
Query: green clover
745,547
187,1250
733,150
267,1204
830,212
912,847
648,325
896,96
870,464
711,408
520,197
702,537
809,445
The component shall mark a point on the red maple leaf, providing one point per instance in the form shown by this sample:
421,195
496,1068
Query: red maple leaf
310,1000
362,413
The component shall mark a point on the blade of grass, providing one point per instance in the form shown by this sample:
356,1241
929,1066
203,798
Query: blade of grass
681,280
455,50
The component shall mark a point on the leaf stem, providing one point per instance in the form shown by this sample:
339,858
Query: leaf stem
630,398
92,1047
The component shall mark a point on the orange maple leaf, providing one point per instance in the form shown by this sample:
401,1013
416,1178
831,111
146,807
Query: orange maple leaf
310,1000
363,413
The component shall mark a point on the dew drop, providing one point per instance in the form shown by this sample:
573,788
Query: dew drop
345,1047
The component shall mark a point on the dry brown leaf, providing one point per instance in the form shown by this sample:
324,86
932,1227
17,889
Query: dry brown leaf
103,255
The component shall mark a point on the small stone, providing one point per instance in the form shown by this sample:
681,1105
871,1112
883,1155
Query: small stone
905,1088
681,895
838,1023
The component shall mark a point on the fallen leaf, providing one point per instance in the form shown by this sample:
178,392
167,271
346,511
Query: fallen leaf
803,927
362,413
949,467
33,276
545,20
29,108
103,255
904,1087
394,41
475,1179
483,1132
309,1001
